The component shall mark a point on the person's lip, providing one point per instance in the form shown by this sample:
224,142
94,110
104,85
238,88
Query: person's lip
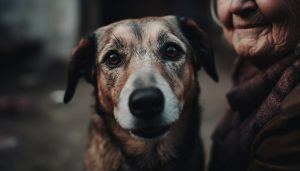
253,21
250,25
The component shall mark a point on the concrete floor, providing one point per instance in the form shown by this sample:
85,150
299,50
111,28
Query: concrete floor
50,136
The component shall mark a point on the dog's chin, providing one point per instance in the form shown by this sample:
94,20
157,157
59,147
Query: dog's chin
151,133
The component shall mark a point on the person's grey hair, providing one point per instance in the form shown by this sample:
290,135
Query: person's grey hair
213,12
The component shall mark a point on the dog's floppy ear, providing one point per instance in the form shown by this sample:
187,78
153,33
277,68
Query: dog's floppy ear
81,64
202,49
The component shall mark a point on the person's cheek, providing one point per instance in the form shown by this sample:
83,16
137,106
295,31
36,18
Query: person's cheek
273,9
225,18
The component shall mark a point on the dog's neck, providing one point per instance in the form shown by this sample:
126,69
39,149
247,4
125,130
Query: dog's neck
105,151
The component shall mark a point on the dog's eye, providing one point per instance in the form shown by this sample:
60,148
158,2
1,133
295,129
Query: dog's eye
171,51
113,59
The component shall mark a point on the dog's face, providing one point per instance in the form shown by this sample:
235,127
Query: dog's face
144,71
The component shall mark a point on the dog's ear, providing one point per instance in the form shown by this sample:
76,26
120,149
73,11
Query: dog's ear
81,65
202,49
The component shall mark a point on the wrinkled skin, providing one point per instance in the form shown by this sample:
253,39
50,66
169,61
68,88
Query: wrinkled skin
260,30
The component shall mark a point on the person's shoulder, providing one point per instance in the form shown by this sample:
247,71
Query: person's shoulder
277,144
286,121
285,127
288,116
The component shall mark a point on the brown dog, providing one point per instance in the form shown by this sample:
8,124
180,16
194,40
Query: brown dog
144,72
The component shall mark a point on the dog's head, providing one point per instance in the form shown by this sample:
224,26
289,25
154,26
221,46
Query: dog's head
144,71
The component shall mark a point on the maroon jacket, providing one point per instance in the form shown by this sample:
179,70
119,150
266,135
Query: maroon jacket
261,131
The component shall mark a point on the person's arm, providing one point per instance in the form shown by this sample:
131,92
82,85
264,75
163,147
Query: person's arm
277,147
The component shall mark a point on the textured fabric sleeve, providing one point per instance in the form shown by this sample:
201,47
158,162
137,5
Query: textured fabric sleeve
277,146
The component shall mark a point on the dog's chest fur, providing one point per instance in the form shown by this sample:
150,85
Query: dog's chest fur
101,153
104,153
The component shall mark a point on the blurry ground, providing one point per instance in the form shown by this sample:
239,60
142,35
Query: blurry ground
39,134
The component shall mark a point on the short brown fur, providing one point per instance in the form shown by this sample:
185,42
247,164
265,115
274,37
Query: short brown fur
112,148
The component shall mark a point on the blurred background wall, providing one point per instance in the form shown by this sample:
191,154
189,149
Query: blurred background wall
38,132
54,23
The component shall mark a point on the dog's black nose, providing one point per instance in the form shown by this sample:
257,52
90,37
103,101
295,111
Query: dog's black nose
146,103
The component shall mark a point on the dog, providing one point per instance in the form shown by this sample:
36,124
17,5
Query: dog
144,72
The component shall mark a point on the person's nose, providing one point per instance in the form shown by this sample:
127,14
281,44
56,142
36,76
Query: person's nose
243,7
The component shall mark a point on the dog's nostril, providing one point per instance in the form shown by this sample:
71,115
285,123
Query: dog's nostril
146,103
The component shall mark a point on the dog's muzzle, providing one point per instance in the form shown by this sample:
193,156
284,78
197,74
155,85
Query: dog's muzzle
148,104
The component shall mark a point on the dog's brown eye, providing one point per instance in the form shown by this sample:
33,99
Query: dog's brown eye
113,59
172,51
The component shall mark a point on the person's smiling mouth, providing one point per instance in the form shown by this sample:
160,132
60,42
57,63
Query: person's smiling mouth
250,25
255,21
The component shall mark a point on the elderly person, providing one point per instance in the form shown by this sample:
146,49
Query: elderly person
261,130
